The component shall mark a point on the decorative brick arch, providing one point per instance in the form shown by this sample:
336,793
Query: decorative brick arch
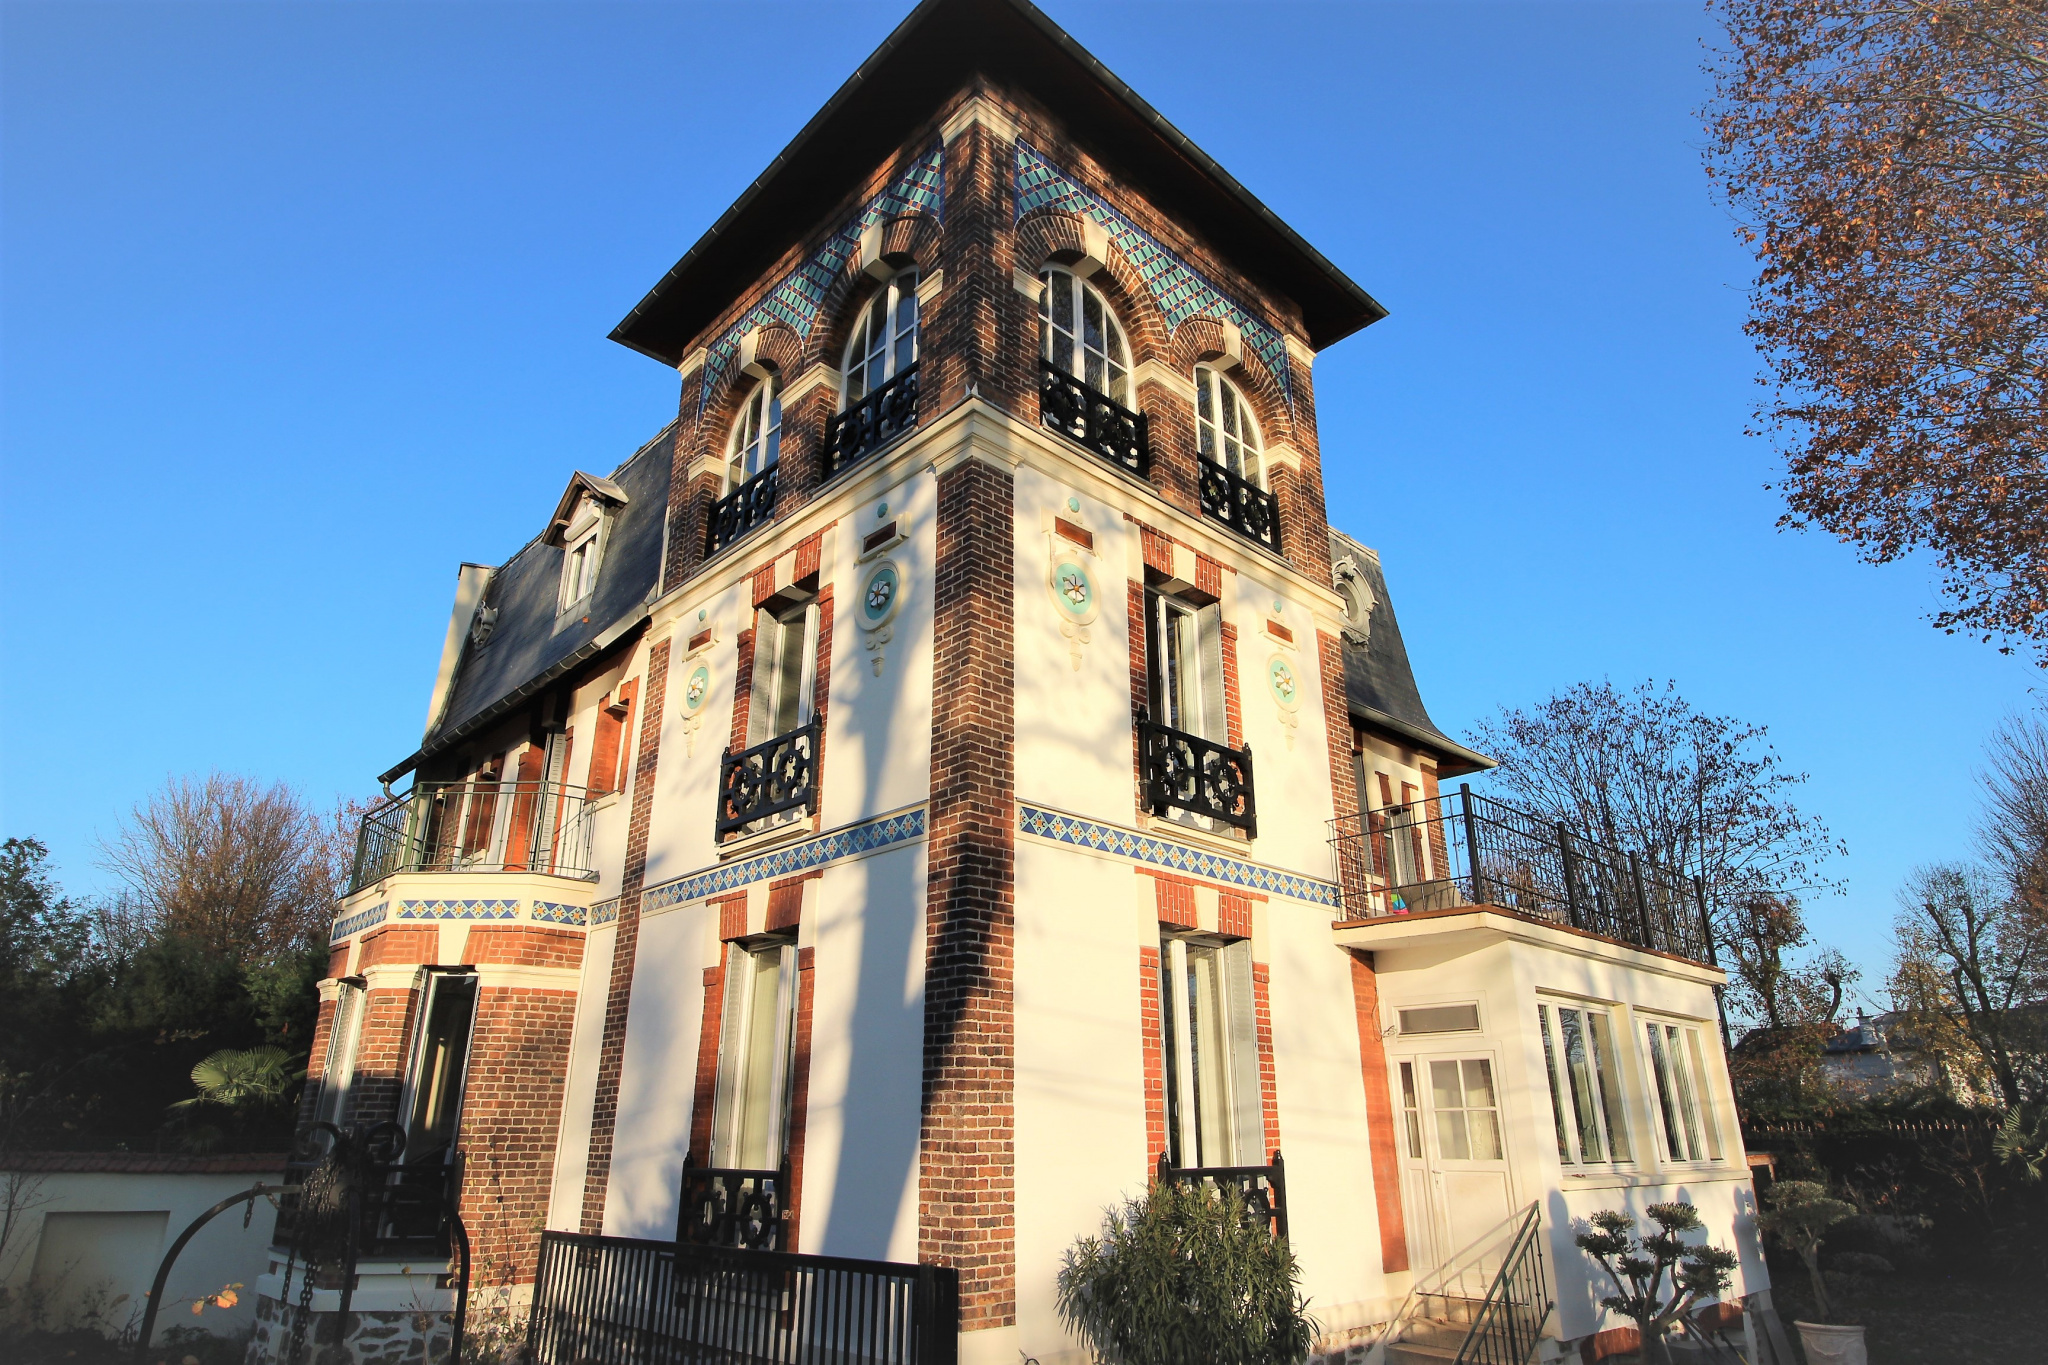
777,346
1200,340
907,239
1054,237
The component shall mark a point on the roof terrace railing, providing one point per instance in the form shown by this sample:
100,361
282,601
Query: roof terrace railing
477,826
1461,849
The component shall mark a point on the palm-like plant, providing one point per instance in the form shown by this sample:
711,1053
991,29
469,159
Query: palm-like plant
1657,1278
241,1079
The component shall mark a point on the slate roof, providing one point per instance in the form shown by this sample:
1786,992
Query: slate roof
1378,681
526,650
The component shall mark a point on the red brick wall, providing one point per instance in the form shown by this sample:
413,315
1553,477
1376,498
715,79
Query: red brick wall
1379,1115
706,1094
800,1090
1269,1085
611,1053
966,1175
1150,1027
524,946
511,1110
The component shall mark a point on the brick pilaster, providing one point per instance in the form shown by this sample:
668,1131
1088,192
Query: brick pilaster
1269,1085
966,1172
1149,1027
611,1053
706,1093
1379,1115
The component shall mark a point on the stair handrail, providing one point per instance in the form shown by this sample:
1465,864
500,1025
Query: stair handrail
1528,1242
1458,1263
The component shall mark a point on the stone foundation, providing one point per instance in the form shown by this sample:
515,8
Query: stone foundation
366,1338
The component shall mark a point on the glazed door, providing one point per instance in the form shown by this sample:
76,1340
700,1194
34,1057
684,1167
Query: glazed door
1455,1168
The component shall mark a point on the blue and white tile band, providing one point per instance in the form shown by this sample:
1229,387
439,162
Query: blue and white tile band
1150,848
849,842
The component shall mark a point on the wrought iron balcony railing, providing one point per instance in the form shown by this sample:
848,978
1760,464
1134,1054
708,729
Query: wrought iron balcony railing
1094,419
477,827
1240,504
872,422
381,1206
728,1207
768,779
740,511
1461,849
1263,1188
1184,772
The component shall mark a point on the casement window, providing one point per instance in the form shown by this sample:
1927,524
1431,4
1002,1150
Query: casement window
1080,335
1214,1112
1678,1068
1585,1084
756,441
1225,430
756,1056
440,1064
582,550
785,670
884,341
1184,661
342,1035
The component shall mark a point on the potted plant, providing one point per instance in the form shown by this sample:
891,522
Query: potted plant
1658,1278
1799,1216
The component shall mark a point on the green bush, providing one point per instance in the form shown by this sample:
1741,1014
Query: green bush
1186,1274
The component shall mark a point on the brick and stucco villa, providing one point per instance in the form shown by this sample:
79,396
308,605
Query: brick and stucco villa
954,775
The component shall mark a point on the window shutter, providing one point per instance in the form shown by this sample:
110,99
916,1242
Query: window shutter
1248,1117
808,681
1209,644
732,1046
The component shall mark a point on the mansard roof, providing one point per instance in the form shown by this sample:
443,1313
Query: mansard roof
933,53
529,647
1378,680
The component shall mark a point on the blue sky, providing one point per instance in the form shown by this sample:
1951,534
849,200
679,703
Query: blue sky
303,304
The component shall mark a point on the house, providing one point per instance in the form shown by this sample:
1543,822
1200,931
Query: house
954,775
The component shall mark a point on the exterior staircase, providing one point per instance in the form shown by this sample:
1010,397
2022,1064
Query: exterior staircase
1434,1335
1487,1305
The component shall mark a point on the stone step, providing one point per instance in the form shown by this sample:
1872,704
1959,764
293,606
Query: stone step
1420,1353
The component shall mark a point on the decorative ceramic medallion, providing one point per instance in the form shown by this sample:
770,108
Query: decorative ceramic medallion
1071,582
881,593
1284,682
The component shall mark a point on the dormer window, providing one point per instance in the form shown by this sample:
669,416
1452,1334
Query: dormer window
582,550
1081,335
756,442
884,341
1224,426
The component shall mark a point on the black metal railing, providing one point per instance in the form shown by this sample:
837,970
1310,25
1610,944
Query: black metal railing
1093,418
1262,1188
873,421
476,827
740,511
768,779
399,1209
1184,772
1462,849
1240,504
614,1301
723,1206
1511,1317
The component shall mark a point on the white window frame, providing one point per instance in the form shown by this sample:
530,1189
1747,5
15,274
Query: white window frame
1104,367
582,553
344,1032
1199,672
1600,1090
738,1061
885,339
1226,430
754,445
434,982
772,681
1226,1111
1682,1109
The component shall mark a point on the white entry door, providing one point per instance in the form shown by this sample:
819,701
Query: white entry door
1455,1171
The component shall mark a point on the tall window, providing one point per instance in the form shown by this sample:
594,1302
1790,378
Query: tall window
582,545
1224,428
756,1054
1684,1100
1080,335
342,1034
785,663
1585,1084
1184,648
756,442
884,341
1214,1115
440,1065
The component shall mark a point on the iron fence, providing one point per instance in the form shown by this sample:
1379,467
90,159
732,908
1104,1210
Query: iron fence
400,1210
1511,1317
614,1301
1240,504
477,826
740,511
872,422
1462,849
774,776
1093,418
730,1207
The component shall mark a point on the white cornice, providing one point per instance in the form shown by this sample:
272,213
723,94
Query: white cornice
984,111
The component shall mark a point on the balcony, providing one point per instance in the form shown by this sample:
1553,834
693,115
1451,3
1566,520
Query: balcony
1262,1188
768,779
871,423
729,1207
540,827
401,1210
1195,776
1462,850
1096,420
740,511
1240,504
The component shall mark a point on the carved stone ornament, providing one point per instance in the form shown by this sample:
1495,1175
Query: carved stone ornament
1283,681
698,681
1358,600
1072,583
881,594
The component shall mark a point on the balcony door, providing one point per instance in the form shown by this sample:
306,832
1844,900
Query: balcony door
1454,1170
1185,648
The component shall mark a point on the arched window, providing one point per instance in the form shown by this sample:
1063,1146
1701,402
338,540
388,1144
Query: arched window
757,433
1081,335
1223,422
884,341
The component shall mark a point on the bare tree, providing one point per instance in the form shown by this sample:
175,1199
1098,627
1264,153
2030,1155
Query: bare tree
1972,971
2014,831
246,870
1767,985
1888,160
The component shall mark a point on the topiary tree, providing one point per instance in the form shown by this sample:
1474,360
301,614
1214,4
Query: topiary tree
1185,1274
1640,1269
1799,1216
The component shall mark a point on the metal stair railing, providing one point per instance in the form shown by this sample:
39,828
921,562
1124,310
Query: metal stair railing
1511,1318
1467,1273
